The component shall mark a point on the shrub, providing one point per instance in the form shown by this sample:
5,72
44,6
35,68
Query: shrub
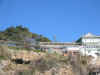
37,51
23,72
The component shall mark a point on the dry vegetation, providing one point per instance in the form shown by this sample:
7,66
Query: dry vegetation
48,64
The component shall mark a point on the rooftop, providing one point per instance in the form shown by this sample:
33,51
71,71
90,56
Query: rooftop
89,35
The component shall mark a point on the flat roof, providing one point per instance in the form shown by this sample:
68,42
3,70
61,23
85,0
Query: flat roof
59,43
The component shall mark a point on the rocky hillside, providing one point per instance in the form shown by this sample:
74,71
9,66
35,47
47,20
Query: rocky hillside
32,63
24,62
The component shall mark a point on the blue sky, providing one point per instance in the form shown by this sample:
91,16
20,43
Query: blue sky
66,19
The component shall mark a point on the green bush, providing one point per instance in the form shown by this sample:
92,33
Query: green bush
37,51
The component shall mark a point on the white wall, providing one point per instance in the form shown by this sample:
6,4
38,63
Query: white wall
73,48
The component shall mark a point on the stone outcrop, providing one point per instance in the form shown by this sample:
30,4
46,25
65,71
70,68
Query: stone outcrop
26,55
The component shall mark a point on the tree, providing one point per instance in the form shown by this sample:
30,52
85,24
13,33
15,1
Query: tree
43,39
20,33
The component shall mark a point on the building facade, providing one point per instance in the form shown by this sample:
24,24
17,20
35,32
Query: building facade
90,44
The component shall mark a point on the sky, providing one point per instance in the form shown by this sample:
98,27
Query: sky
65,19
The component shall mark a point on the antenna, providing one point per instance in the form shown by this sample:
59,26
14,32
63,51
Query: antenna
54,38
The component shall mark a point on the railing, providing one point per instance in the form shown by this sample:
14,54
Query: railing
17,44
58,43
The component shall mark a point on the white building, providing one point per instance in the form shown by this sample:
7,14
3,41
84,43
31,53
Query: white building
90,44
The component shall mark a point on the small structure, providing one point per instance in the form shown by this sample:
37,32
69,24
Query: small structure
59,46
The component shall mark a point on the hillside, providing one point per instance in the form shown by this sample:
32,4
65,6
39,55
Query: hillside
20,33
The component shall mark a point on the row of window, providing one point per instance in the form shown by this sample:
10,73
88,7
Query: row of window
91,46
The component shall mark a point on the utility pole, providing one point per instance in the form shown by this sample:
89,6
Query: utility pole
54,38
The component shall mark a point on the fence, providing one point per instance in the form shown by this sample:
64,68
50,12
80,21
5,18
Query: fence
18,44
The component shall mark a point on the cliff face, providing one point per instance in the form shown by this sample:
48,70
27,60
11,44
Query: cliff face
26,55
34,63
40,64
